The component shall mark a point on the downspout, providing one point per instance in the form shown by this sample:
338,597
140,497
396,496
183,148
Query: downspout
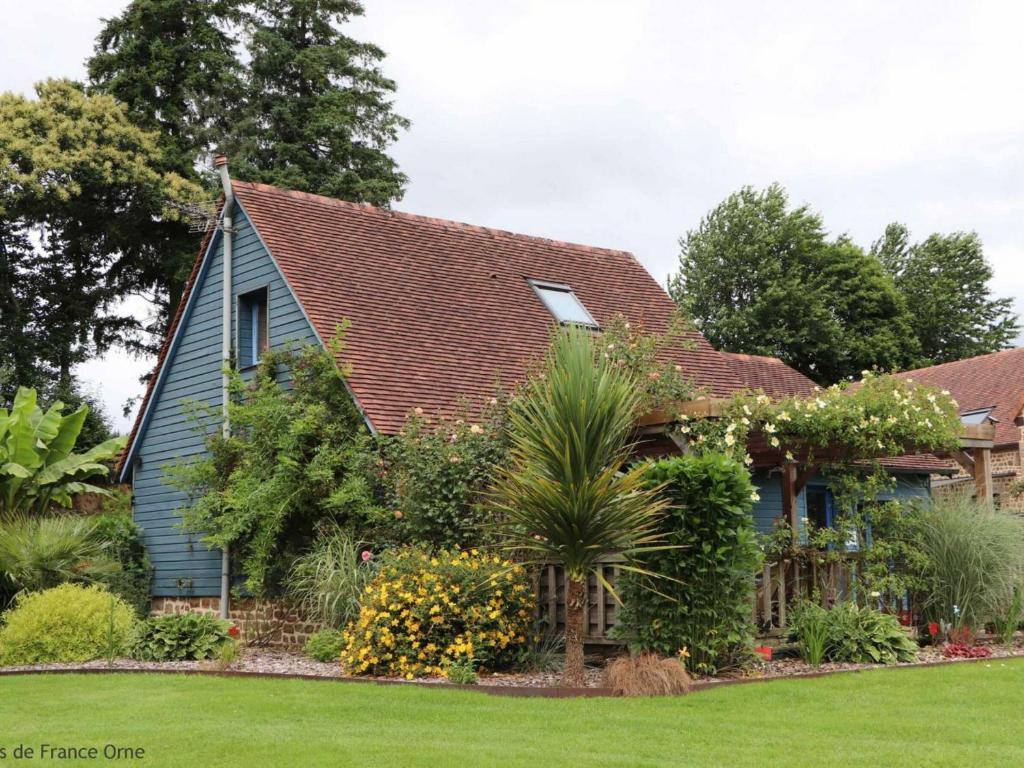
221,164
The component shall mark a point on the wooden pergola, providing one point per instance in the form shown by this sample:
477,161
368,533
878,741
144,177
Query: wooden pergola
789,579
798,464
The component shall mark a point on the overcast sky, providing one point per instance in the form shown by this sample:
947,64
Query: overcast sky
621,124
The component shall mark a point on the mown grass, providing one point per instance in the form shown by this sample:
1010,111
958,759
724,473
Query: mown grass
969,714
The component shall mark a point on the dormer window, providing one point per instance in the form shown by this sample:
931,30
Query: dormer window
563,304
253,323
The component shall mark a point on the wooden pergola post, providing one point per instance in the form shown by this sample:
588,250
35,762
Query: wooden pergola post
983,475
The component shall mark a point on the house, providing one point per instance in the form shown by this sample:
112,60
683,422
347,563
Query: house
989,389
439,311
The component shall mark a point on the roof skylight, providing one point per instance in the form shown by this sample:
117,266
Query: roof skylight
563,304
977,416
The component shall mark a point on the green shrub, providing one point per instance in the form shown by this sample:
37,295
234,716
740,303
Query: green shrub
299,454
423,612
68,623
328,580
325,645
437,475
123,544
703,603
852,634
975,561
181,637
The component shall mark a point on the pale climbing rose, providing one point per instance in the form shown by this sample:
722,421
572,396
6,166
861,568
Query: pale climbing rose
476,429
755,496
418,411
769,428
730,439
774,442
679,368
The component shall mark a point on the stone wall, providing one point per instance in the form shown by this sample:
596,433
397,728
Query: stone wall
260,622
1006,471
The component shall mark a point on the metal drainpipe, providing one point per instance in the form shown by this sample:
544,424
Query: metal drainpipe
221,164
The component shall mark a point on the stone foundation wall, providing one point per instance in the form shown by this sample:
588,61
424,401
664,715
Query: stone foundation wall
260,622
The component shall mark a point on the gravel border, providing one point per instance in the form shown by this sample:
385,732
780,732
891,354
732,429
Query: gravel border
285,665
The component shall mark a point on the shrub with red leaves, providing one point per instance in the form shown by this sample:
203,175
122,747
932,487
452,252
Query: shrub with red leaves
965,651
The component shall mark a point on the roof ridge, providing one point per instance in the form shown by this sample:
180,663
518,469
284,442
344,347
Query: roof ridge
431,220
963,360
751,355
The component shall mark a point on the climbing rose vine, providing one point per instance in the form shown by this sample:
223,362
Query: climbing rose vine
880,416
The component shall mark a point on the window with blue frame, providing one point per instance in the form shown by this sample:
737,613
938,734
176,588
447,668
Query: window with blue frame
253,324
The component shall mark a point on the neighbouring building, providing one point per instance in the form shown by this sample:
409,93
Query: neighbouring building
988,389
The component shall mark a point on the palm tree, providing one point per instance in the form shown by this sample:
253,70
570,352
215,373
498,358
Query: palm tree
565,496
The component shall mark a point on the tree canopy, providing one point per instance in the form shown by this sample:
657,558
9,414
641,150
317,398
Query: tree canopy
762,277
83,201
945,282
317,114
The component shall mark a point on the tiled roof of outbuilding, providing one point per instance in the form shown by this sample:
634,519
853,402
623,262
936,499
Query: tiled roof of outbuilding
993,381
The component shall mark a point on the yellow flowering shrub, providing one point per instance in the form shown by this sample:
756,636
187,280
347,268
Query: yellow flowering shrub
424,611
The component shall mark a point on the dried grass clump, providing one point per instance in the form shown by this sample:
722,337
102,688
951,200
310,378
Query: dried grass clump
646,675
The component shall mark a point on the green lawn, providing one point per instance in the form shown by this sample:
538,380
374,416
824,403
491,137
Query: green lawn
955,715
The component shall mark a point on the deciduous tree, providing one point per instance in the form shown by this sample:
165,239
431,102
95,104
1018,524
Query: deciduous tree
946,283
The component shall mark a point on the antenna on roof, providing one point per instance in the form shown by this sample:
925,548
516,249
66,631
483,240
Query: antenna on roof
201,216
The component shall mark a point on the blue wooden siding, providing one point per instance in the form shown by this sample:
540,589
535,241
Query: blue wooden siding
183,564
769,488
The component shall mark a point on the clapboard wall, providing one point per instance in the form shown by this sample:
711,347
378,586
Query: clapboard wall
184,565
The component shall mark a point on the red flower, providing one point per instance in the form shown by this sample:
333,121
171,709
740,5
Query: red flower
933,628
233,631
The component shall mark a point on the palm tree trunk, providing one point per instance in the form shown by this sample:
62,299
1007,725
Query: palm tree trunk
575,594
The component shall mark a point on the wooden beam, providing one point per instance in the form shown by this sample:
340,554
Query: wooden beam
964,460
983,475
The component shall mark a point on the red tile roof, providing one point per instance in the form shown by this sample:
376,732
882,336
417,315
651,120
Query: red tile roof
441,310
770,374
993,380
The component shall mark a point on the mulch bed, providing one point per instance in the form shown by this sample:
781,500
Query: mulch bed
276,663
